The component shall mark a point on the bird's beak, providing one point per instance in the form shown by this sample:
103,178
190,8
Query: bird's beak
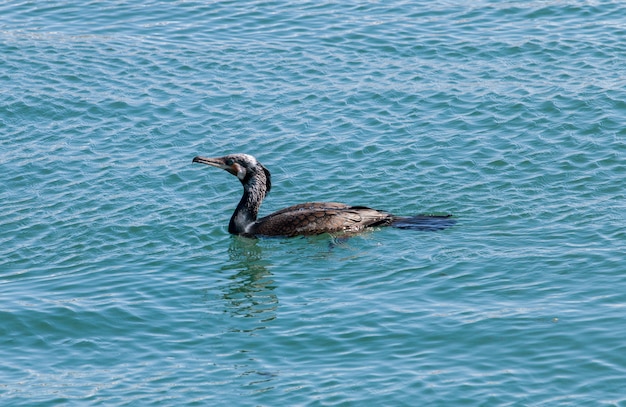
214,162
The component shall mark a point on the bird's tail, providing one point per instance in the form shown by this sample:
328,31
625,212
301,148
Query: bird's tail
423,222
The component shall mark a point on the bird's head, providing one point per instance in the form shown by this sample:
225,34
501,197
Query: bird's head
243,166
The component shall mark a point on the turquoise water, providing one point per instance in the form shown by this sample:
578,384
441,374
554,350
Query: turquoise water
119,284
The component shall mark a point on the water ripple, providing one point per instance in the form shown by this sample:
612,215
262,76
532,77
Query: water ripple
120,284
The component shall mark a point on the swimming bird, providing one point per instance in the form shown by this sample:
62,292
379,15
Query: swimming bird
311,218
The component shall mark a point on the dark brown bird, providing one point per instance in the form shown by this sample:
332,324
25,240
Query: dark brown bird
311,218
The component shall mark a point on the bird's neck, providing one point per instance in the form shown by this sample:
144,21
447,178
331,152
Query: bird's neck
254,190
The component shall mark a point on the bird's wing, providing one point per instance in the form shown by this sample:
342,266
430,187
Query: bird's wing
319,217
311,206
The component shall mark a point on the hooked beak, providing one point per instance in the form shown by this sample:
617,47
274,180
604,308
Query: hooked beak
214,162
220,162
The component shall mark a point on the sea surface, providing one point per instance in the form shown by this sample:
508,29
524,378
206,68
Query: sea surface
120,285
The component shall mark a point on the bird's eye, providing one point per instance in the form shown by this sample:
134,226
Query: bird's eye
229,161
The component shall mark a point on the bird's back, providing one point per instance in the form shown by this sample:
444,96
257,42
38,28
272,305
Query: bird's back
314,218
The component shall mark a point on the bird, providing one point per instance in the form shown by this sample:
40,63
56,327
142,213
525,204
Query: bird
306,219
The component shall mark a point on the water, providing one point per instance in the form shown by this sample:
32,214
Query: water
119,284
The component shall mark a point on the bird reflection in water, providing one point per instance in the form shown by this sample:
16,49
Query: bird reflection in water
250,291
250,300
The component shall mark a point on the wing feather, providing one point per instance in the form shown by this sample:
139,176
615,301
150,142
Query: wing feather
319,217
